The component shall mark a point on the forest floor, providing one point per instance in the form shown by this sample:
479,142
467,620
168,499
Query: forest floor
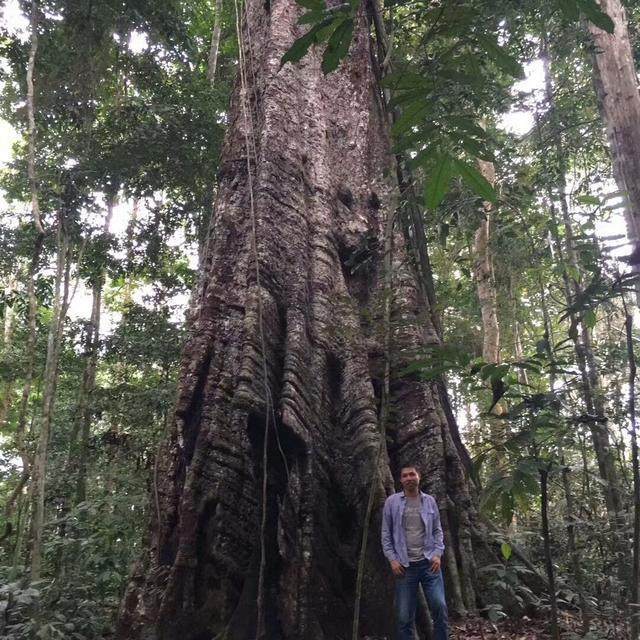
526,628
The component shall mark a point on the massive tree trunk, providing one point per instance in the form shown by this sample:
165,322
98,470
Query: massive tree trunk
616,83
290,345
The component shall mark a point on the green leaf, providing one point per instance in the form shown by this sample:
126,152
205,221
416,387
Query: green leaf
312,17
410,117
474,147
475,180
591,9
499,372
590,318
299,48
505,548
405,80
338,46
461,77
467,125
503,60
570,9
438,182
400,98
312,5
487,370
572,272
588,200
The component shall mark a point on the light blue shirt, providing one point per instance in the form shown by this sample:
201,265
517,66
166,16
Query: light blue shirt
394,544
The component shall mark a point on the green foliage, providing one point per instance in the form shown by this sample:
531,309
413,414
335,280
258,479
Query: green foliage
333,25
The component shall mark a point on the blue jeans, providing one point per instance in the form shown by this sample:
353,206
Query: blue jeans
407,596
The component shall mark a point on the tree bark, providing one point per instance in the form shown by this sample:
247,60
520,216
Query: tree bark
293,281
616,84
6,400
31,157
484,276
212,62
548,560
634,599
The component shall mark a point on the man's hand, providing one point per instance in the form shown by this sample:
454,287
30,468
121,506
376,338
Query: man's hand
435,564
397,568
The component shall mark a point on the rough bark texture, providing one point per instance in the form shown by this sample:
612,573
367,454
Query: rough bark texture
322,191
616,84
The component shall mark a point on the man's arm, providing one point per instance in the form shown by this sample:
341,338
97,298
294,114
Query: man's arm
438,539
388,547
438,536
387,533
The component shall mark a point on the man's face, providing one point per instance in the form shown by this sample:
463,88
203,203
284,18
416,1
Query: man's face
409,478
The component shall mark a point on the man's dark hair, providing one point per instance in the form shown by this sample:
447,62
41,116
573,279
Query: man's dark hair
415,467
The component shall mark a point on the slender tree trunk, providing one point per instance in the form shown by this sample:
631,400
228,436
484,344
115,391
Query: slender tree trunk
86,401
518,349
574,554
264,481
634,595
48,398
484,276
127,296
31,158
616,83
7,343
548,559
215,43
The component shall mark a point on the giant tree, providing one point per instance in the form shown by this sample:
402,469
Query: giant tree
263,482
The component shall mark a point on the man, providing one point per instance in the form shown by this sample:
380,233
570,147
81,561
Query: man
412,541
